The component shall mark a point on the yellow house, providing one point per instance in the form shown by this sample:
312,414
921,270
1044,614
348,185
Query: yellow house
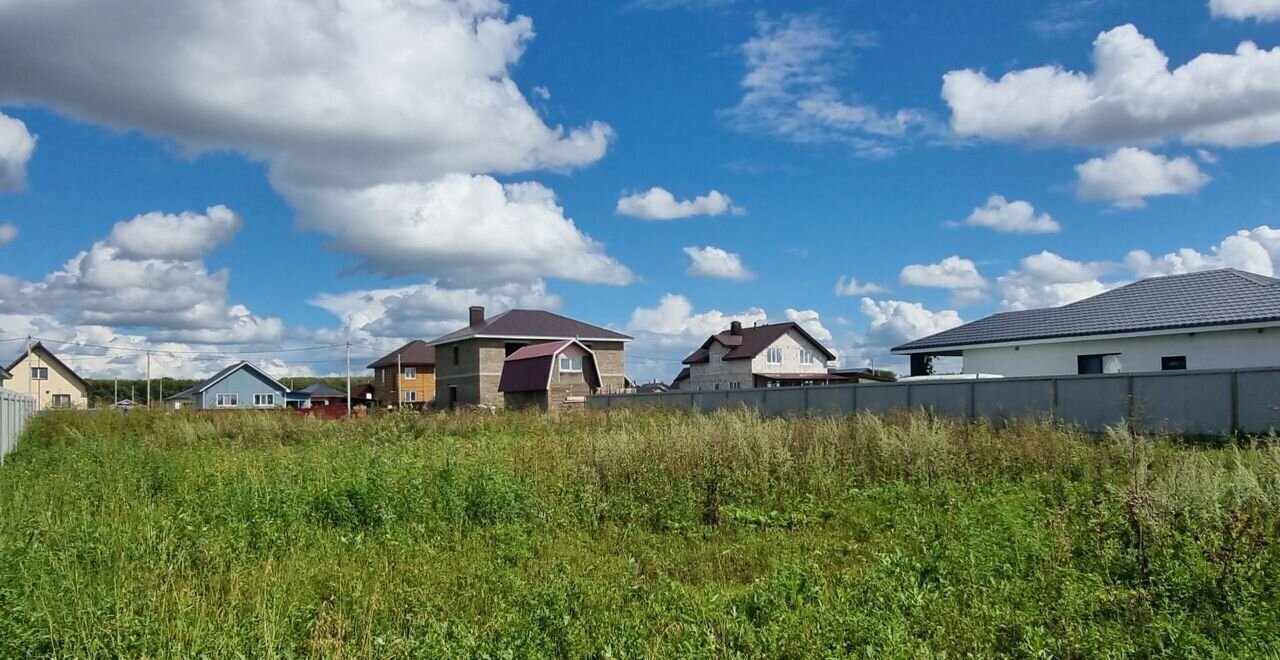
54,385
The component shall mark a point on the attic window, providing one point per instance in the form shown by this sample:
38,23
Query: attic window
570,364
773,355
806,356
39,373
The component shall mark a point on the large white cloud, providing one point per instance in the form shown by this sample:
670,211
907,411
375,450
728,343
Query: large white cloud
1050,280
473,229
954,273
1263,10
370,115
895,321
673,322
1128,176
1016,217
1133,95
16,147
717,263
660,204
1255,250
130,281
792,90
424,311
811,321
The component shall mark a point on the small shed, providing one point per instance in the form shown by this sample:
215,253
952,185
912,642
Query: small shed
552,376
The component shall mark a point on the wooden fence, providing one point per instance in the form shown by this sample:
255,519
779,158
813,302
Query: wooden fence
15,409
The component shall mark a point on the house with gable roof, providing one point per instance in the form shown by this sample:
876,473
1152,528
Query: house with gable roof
774,355
241,386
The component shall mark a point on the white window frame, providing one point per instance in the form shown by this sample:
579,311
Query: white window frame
735,386
39,373
410,373
806,356
570,361
62,400
219,400
264,400
771,352
410,396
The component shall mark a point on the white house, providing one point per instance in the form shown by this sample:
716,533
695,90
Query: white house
776,355
1218,319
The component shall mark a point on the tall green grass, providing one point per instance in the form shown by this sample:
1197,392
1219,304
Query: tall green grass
630,535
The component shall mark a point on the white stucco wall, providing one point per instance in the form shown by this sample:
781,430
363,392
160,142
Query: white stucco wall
1221,349
723,373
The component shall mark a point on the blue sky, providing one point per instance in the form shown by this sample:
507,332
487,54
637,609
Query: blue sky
383,167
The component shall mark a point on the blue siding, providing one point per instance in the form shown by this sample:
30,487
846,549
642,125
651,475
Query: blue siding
243,382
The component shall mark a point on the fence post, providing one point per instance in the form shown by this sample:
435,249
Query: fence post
1235,402
973,400
853,395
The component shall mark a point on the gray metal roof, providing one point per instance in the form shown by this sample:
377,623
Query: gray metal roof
1209,298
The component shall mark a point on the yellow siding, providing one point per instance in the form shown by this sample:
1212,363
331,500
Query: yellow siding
60,381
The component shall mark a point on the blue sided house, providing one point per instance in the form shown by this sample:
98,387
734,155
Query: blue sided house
242,386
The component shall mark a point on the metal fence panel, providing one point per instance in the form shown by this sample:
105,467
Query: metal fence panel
999,399
1258,401
15,409
1191,403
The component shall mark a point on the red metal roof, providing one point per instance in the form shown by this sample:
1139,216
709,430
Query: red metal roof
538,350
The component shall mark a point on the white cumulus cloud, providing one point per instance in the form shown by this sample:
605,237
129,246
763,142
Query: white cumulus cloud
1254,250
8,233
1262,10
717,263
959,275
895,322
1050,280
1016,217
16,147
371,116
1226,99
1128,176
848,287
811,321
659,204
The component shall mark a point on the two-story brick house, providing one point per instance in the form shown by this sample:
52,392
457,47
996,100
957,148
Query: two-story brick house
775,355
470,361
405,376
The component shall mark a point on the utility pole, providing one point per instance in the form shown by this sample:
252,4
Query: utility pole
348,379
115,390
31,380
399,383
148,380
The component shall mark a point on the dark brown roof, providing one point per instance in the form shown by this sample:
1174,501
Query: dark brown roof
533,323
529,369
416,353
680,377
752,342
48,356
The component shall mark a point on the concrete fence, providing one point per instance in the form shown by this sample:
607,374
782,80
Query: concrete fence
15,409
1175,402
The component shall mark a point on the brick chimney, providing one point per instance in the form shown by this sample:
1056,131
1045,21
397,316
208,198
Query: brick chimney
477,316
735,328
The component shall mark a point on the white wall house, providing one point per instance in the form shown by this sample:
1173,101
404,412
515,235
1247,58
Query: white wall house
776,355
1221,319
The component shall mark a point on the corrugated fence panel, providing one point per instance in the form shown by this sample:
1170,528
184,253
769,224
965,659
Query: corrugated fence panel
15,409
1188,402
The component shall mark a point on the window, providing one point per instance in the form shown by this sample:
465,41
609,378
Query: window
411,396
39,373
1108,363
263,400
772,384
570,364
717,386
773,355
806,356
62,401
1173,363
410,373
227,400
735,386
512,347
455,356
383,374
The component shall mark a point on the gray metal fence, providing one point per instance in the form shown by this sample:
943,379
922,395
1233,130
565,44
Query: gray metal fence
15,409
1182,402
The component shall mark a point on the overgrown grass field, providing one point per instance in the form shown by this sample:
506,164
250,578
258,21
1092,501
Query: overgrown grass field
631,535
